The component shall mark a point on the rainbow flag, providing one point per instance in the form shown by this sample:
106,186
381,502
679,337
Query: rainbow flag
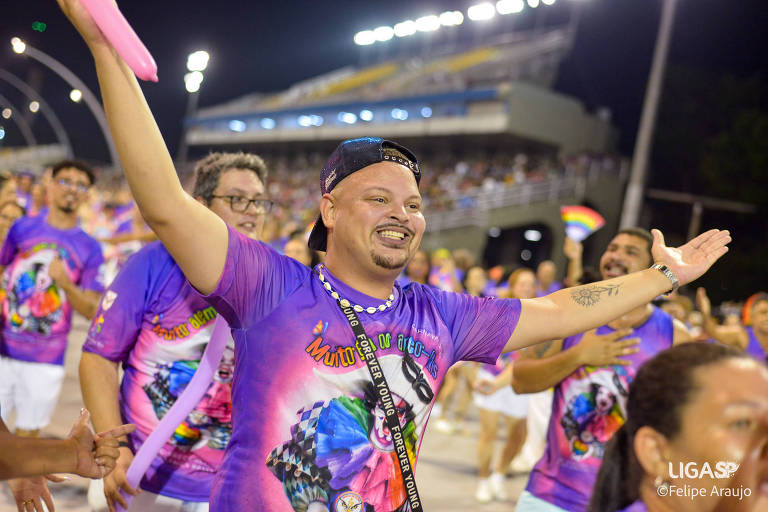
580,221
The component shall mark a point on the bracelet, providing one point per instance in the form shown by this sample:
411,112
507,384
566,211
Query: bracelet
669,275
124,444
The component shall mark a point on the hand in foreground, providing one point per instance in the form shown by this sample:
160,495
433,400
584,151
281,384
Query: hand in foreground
96,453
691,260
117,481
31,492
602,350
82,21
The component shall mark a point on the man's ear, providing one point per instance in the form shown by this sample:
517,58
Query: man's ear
328,210
653,452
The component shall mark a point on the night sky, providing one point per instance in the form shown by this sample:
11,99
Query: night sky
267,46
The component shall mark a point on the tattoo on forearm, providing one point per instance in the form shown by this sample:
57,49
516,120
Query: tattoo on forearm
542,348
589,295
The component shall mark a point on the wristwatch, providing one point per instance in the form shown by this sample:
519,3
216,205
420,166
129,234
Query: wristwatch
669,275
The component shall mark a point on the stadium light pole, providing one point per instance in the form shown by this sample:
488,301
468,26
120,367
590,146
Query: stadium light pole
46,110
21,48
13,114
197,62
633,199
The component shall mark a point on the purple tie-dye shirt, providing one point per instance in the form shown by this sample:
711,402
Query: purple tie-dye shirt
307,430
587,408
153,321
36,314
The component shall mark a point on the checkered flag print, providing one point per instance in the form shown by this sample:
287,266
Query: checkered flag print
297,455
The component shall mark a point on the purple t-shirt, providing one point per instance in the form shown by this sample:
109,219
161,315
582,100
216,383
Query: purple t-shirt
307,429
754,348
36,314
153,321
587,408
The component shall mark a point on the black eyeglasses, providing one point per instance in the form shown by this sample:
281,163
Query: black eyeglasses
240,204
72,185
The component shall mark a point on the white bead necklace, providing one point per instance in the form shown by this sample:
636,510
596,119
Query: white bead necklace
345,303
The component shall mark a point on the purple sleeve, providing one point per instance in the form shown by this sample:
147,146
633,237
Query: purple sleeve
254,281
10,247
117,323
91,277
480,327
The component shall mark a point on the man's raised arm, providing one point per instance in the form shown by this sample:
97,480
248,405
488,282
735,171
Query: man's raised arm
578,309
195,237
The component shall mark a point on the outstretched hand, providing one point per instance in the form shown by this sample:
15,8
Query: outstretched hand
688,262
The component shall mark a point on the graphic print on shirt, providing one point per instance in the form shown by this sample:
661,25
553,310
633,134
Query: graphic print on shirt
209,424
35,304
594,409
341,451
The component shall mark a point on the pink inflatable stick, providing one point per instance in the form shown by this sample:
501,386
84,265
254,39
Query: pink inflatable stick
179,411
116,29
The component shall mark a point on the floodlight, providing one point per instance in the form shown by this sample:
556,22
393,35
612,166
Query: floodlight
267,123
548,2
237,126
7,113
193,80
197,61
2,133
428,23
405,28
34,106
451,18
365,38
481,12
509,6
533,3
76,95
366,115
18,45
384,33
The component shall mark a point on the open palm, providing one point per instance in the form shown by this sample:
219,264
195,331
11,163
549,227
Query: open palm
688,262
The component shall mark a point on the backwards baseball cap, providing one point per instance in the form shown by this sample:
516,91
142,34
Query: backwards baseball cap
353,155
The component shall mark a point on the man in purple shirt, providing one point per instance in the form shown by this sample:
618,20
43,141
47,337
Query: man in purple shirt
591,373
153,323
308,430
52,268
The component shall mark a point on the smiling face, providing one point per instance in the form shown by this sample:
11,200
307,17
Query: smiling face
374,218
625,254
720,424
524,286
240,183
69,189
380,435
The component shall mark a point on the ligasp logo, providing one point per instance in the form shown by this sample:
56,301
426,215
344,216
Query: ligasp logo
349,502
722,469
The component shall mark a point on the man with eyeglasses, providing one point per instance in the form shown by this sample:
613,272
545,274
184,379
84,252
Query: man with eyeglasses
52,268
153,323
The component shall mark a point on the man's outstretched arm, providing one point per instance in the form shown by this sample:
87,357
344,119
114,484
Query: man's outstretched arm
578,309
195,237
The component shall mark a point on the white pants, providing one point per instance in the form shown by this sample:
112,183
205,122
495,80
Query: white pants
144,502
31,389
539,410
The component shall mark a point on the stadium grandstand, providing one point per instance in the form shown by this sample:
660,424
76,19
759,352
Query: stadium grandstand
501,149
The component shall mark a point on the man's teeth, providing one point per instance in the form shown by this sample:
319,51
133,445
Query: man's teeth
393,234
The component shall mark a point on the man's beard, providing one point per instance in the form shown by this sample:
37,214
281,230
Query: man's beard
389,263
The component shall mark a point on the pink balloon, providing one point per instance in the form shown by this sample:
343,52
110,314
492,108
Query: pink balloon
116,29
189,398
